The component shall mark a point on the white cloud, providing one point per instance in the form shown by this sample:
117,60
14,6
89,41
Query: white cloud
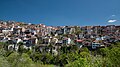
111,21
113,15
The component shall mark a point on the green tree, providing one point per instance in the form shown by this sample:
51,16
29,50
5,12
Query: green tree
3,52
17,60
103,51
81,62
72,57
84,54
77,30
25,61
61,60
2,44
114,56
84,49
13,59
96,61
47,58
4,62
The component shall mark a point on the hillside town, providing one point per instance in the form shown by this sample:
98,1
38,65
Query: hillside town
59,33
41,35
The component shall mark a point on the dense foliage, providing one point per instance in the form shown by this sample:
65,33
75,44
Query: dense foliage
68,56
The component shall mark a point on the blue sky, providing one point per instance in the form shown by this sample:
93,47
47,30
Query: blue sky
62,12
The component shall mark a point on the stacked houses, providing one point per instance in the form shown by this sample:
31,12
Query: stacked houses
42,35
